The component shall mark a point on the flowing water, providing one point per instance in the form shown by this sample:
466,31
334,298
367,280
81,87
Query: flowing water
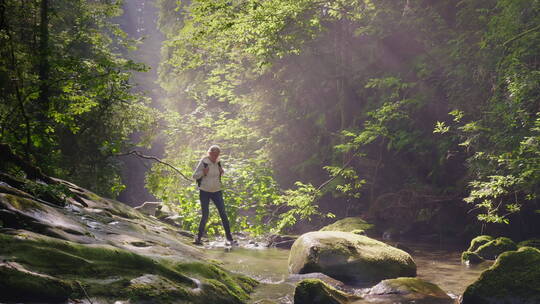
269,265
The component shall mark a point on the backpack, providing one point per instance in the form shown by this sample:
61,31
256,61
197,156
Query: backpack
199,180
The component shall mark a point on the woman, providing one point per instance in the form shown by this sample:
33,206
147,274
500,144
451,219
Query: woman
208,175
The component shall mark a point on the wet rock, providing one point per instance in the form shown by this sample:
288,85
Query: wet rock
314,291
410,289
186,234
349,257
349,224
140,244
469,257
22,212
109,272
19,284
105,248
155,288
513,278
316,275
173,220
149,208
281,241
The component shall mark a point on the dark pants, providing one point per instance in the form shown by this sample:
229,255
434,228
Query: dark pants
217,198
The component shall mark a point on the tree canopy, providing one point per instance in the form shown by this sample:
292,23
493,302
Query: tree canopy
411,113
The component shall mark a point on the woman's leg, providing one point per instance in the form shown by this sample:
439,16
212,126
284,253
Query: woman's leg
217,197
205,200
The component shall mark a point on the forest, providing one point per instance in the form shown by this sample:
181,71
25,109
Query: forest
419,118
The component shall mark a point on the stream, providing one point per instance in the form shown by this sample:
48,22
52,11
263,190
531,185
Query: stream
269,265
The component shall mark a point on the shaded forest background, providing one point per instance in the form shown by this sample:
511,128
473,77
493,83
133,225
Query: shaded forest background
421,116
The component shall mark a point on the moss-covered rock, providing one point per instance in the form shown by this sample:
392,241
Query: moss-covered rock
411,289
485,247
27,213
19,284
479,241
314,291
513,278
471,258
348,257
535,243
103,248
349,224
494,248
109,272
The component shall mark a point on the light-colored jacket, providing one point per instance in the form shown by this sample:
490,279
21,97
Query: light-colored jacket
212,181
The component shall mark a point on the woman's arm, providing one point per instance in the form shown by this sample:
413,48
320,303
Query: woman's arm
199,170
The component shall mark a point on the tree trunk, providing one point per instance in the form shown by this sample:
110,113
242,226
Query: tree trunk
44,67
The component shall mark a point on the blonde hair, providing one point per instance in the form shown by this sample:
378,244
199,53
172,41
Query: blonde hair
214,148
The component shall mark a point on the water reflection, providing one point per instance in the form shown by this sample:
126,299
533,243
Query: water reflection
439,266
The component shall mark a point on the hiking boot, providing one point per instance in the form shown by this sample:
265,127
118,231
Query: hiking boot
197,241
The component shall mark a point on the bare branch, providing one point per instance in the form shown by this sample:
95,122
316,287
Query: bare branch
139,154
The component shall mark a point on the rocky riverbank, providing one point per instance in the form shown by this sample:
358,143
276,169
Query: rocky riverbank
60,242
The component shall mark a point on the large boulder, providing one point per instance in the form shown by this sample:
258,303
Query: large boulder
513,278
349,257
409,290
349,224
314,291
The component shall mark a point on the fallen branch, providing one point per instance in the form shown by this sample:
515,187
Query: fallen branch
139,154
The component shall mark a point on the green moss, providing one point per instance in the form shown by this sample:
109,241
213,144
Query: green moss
494,248
315,291
348,224
471,257
479,241
20,285
67,258
535,243
156,289
20,203
359,231
513,278
112,272
238,285
348,257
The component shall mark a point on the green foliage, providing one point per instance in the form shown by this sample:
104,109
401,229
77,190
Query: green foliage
503,139
57,192
283,82
90,111
300,203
